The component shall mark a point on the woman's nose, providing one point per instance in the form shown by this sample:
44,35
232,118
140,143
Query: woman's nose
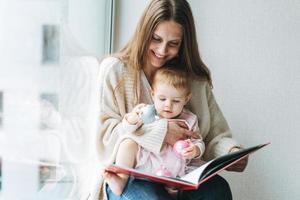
162,49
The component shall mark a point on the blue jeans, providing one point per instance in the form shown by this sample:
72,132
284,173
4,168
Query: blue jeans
216,188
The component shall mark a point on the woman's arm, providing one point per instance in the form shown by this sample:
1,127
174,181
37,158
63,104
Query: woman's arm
223,142
111,111
114,104
132,120
220,139
213,126
151,136
177,130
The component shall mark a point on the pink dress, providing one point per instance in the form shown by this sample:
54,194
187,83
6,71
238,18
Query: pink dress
150,162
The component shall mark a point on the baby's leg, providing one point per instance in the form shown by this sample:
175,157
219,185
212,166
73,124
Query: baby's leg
126,156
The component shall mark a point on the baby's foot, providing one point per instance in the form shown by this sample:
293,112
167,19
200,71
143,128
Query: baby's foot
115,182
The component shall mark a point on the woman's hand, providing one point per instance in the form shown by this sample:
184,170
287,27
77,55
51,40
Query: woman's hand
177,130
240,166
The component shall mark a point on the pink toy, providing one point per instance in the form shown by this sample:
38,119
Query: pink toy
179,146
163,171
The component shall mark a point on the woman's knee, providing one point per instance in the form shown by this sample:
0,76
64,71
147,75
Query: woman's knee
145,190
220,187
214,189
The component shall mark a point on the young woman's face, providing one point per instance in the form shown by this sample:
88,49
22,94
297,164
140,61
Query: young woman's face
168,100
165,44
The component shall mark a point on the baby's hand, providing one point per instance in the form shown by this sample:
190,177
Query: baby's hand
137,108
132,118
191,151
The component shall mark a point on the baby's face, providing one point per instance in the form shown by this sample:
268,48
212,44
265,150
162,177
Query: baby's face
168,100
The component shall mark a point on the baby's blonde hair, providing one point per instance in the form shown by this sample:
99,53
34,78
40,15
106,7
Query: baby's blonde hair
172,76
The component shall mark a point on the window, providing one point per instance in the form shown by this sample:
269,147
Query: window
47,173
36,39
0,174
48,111
1,109
50,44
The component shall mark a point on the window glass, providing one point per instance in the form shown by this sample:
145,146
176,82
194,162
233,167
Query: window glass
48,94
1,109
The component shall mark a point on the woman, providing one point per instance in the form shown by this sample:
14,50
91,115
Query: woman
165,35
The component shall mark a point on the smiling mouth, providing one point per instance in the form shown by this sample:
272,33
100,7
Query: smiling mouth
158,56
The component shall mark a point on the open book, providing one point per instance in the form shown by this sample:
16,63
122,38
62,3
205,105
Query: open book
195,178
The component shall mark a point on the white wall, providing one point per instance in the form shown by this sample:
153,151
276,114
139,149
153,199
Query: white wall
252,49
126,18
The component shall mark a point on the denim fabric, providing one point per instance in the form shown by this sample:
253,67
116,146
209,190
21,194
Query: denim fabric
137,189
215,189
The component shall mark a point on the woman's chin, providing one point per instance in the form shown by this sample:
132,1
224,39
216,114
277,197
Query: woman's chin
158,63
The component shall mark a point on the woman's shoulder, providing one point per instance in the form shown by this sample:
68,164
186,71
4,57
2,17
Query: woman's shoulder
111,63
111,66
200,85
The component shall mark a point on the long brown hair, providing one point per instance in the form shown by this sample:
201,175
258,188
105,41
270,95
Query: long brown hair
179,11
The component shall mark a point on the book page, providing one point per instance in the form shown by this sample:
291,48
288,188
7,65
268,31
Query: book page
194,175
218,164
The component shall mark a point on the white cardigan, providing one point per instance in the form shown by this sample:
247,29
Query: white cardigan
114,104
